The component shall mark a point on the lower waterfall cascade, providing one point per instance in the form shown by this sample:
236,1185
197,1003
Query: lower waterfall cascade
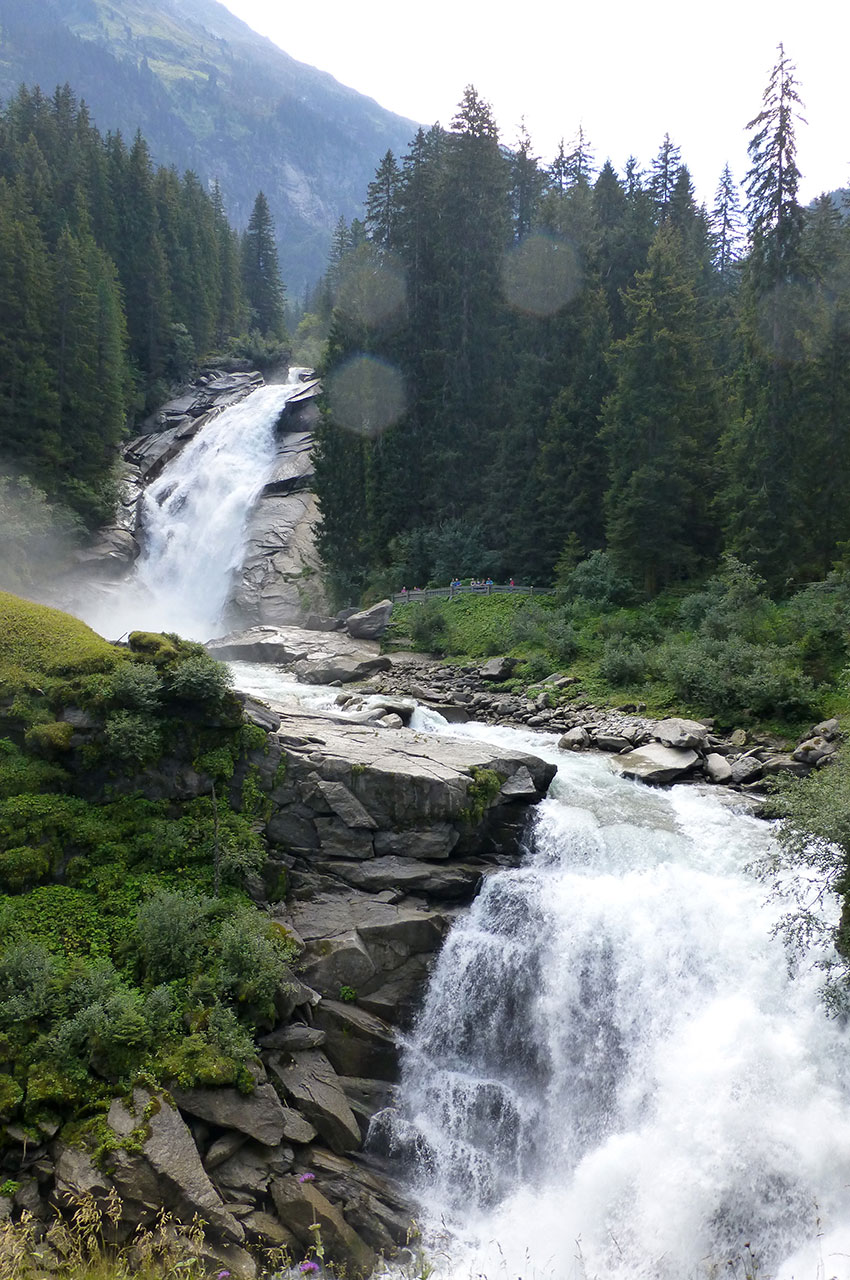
617,1072
193,521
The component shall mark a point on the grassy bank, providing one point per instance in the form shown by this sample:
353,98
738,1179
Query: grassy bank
727,651
128,947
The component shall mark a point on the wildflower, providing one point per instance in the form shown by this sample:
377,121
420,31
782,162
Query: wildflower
309,1267
307,1177
223,1275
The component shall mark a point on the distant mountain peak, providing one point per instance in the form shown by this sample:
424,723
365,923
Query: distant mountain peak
210,94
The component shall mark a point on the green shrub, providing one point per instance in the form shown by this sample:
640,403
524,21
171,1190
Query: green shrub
562,639
623,662
598,582
49,740
136,686
26,974
133,740
22,867
729,677
11,1095
251,963
536,667
171,930
20,774
428,627
199,678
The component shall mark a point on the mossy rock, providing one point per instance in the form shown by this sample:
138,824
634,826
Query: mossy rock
35,639
23,867
154,645
49,740
11,1096
47,1083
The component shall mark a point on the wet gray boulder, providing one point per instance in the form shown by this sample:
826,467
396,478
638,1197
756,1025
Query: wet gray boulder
655,763
167,1171
370,624
309,1083
718,768
301,1208
258,1114
676,732
357,1043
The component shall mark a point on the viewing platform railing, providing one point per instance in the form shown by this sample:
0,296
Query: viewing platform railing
480,589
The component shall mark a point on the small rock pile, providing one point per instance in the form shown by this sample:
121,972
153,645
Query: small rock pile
654,751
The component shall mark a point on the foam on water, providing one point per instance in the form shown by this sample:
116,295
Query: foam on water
614,1074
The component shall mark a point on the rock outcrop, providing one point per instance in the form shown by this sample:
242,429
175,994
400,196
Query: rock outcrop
280,579
374,835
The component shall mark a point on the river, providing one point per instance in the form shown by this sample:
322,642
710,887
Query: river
618,1072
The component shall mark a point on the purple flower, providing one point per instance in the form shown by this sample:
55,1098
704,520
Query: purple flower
223,1275
309,1267
307,1177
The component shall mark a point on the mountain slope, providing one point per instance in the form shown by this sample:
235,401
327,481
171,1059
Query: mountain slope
210,94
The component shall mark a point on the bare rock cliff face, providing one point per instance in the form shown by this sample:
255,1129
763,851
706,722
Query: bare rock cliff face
280,578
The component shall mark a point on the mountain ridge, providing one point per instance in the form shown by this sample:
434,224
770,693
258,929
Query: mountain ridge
212,95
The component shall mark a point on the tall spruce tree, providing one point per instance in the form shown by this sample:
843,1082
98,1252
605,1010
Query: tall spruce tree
261,272
766,444
661,424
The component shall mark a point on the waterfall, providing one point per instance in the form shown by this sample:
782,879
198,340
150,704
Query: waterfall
193,523
616,1074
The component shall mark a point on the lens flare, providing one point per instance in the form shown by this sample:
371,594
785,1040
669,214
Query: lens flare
366,395
541,275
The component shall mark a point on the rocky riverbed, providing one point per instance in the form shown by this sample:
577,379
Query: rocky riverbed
375,836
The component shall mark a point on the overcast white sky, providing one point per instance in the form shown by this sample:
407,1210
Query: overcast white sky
627,72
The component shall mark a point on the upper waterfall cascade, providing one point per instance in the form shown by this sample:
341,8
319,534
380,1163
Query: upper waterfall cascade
194,520
615,1074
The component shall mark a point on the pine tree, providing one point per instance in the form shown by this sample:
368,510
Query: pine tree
660,425
382,203
665,168
765,447
526,185
261,273
726,224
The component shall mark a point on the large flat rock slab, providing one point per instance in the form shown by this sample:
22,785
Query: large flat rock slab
656,763
316,657
406,781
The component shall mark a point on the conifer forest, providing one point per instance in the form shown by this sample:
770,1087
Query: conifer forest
528,364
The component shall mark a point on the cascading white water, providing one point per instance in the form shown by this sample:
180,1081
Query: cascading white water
614,1075
193,522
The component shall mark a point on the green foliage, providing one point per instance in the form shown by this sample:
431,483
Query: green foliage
623,662
123,963
733,677
49,740
252,958
132,739
172,929
428,627
37,641
480,794
200,679
597,583
136,687
347,994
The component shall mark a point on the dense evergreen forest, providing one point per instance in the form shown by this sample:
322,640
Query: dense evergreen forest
528,364
115,278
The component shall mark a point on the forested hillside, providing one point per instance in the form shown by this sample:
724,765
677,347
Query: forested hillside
115,277
548,362
211,95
